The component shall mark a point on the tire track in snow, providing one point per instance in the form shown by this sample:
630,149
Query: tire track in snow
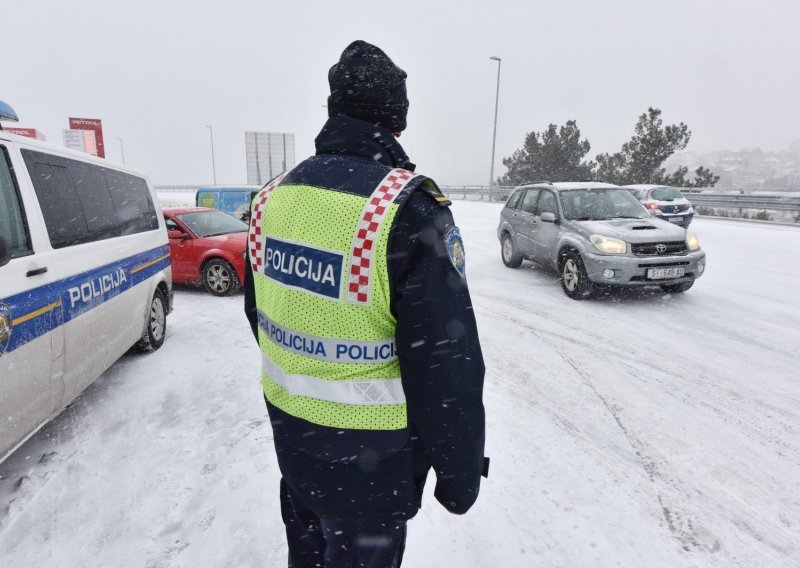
765,424
683,528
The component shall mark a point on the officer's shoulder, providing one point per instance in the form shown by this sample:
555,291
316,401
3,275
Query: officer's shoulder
425,208
428,187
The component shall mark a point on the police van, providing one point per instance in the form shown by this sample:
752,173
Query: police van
84,276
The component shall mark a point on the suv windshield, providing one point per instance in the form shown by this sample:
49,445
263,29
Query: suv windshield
210,223
666,194
599,204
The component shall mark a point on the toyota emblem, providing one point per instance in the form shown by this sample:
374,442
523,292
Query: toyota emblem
661,249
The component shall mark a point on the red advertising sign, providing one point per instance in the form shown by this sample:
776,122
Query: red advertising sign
93,124
29,132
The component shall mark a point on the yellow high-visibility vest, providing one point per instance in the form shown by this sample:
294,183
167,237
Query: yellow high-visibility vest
326,331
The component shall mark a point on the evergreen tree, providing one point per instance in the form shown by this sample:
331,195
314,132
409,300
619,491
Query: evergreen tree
703,177
641,158
553,155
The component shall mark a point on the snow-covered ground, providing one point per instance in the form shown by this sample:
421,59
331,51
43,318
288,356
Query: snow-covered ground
638,430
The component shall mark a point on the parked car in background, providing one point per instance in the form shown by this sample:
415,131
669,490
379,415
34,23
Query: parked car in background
207,247
234,200
596,234
665,202
84,276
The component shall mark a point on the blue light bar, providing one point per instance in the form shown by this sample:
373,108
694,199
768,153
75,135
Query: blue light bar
7,113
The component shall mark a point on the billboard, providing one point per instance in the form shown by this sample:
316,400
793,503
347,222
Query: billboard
81,140
93,124
29,132
268,155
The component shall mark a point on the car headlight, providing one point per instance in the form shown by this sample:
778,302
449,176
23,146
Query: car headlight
244,255
692,242
609,245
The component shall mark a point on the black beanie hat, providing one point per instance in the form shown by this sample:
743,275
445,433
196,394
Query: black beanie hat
367,85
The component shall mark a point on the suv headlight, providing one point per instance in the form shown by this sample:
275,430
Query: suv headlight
608,245
691,242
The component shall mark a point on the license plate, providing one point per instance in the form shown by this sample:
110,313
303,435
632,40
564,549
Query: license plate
661,273
676,219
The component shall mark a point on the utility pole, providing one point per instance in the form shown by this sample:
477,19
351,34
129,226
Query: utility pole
494,134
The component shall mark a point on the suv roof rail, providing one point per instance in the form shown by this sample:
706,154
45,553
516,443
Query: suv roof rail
7,113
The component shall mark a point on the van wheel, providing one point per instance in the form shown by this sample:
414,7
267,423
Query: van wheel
574,281
508,251
156,331
219,277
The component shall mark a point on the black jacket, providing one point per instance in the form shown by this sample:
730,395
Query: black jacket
440,360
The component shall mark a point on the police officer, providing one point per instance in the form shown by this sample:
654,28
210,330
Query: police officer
371,365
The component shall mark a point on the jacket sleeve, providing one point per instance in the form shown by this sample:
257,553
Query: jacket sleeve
250,296
440,356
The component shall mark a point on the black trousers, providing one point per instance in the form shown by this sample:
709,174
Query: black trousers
316,542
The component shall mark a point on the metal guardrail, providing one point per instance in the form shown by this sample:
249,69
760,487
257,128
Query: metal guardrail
761,202
499,193
721,200
740,202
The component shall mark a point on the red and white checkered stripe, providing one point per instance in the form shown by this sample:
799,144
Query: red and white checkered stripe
256,243
359,283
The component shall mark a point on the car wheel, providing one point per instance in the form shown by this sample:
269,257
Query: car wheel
219,277
508,251
574,281
156,331
676,288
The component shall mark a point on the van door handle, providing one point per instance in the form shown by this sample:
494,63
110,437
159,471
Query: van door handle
36,271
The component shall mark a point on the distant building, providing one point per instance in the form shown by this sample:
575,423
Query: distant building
748,169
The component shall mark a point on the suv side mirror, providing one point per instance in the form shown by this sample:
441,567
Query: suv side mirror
5,251
548,216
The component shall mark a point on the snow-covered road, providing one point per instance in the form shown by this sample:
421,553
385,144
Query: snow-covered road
637,430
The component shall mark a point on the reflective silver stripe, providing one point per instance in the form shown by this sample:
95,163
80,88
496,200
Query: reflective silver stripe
364,392
325,348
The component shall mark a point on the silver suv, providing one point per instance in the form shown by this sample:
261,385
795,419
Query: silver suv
596,234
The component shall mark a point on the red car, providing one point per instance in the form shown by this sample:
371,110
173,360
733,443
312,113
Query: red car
206,247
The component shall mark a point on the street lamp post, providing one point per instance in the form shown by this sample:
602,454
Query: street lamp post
213,161
122,149
494,134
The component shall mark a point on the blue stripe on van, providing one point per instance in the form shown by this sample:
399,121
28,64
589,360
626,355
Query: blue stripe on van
36,312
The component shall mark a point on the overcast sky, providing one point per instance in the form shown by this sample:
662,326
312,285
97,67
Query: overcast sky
157,71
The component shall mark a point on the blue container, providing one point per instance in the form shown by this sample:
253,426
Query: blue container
234,200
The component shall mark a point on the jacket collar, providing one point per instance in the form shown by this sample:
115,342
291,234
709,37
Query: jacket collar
343,135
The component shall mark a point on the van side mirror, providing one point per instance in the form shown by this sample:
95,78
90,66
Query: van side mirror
5,251
548,216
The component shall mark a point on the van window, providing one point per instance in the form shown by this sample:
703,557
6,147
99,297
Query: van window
135,209
12,217
60,204
83,202
95,199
